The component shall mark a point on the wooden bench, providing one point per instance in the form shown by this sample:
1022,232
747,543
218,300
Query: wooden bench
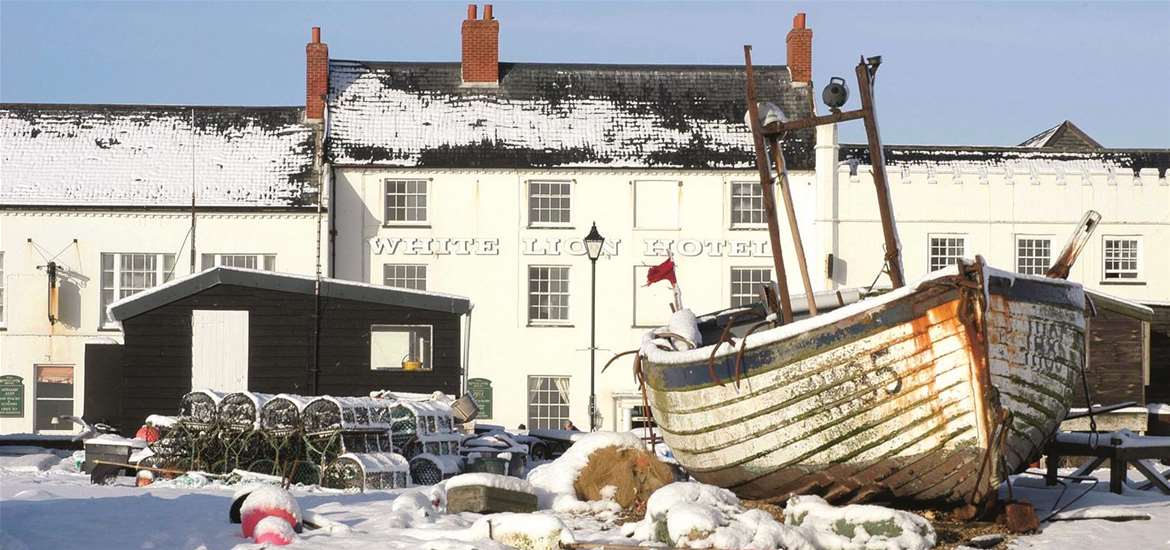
1121,448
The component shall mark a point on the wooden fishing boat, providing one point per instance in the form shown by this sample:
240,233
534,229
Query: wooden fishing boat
935,391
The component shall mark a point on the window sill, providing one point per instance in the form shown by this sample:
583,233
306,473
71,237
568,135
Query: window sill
402,370
546,226
748,228
549,325
1118,282
406,226
109,329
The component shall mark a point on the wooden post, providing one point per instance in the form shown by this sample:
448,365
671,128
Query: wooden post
766,184
878,161
778,156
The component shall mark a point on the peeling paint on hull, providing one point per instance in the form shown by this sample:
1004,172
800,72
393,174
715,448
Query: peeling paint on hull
896,400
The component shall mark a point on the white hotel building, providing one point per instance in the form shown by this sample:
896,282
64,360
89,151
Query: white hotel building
481,178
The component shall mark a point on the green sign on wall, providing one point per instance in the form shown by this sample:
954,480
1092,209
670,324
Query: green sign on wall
481,390
11,396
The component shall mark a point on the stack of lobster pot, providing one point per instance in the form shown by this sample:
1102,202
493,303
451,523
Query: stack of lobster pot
425,431
240,435
349,437
193,437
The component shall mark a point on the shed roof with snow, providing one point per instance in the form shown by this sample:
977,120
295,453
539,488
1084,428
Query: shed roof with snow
140,155
177,289
555,115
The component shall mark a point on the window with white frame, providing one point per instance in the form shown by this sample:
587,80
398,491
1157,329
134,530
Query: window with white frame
548,402
406,201
400,347
410,276
548,294
746,283
1,289
550,203
1123,256
1033,255
747,204
946,250
126,274
266,262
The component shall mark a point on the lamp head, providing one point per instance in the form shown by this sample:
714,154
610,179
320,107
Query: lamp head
593,242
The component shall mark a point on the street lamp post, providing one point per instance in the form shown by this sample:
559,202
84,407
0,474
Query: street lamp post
593,243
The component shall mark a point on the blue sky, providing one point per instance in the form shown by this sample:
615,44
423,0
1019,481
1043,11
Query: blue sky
953,73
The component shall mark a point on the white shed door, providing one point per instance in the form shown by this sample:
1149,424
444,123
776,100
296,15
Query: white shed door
219,350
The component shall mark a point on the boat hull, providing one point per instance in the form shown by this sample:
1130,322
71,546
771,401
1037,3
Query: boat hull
891,397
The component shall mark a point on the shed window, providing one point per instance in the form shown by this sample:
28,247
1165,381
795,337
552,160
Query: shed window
946,250
548,402
550,203
126,274
746,283
398,347
409,276
54,397
1033,255
267,262
406,201
1122,258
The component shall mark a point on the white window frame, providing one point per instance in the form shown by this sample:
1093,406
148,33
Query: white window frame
1138,260
752,297
537,224
162,276
264,262
731,210
548,420
533,321
387,222
425,275
1042,269
428,353
930,248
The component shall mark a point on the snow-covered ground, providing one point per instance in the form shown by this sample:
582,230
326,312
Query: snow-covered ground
45,503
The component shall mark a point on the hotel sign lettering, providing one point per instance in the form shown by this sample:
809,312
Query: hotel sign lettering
571,247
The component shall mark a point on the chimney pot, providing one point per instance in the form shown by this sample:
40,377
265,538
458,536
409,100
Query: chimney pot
487,12
471,12
316,35
798,21
481,49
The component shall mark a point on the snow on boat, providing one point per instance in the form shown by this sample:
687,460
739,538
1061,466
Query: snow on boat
933,392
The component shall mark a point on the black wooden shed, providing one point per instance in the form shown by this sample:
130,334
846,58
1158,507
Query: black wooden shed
231,329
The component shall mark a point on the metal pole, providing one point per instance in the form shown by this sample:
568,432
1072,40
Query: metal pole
766,184
878,161
782,175
593,349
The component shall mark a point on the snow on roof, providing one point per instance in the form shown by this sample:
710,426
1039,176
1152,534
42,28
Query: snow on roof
544,115
133,155
1015,160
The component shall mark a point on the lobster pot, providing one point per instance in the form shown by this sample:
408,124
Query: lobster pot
440,444
428,469
367,442
283,413
367,471
419,420
200,407
241,410
333,414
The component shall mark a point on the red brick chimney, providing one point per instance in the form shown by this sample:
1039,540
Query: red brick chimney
800,52
481,48
316,76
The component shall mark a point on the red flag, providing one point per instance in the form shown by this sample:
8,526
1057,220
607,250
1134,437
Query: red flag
662,271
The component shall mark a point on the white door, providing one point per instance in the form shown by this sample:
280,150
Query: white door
219,350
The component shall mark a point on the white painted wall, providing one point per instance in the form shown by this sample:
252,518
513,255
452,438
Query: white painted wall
991,207
27,236
490,205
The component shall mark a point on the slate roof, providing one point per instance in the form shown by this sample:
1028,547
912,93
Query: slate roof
1065,136
178,289
134,155
554,115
